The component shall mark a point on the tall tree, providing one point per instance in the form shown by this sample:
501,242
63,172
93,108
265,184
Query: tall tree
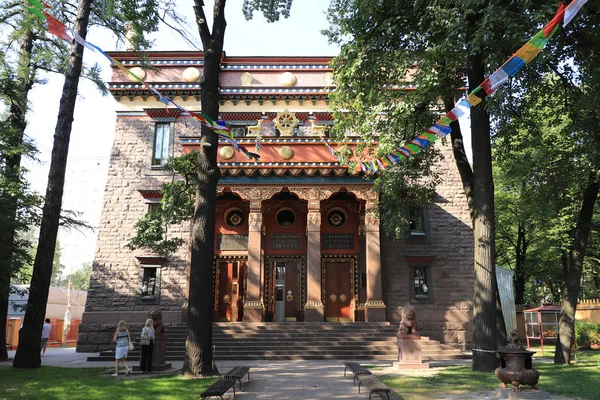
450,43
554,98
198,355
29,356
15,84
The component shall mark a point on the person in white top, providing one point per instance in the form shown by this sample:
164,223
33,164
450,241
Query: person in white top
46,329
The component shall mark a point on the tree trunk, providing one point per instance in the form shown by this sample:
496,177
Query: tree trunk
566,327
521,253
198,346
28,355
12,171
485,311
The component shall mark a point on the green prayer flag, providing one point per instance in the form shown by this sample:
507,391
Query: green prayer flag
37,13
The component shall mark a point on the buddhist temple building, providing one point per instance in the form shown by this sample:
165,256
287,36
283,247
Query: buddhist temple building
298,236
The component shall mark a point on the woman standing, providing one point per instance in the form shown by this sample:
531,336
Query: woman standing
122,340
147,342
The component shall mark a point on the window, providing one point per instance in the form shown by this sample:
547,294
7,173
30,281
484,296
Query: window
239,130
416,222
153,208
337,218
420,283
419,231
148,288
161,143
285,218
420,288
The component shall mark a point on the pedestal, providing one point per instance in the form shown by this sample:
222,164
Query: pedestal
410,352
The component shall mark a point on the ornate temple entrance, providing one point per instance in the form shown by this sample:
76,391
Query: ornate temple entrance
338,283
286,292
229,296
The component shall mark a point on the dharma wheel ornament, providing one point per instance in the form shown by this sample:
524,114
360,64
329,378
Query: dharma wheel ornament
286,121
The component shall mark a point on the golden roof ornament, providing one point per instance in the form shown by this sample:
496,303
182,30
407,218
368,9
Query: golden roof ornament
286,121
246,79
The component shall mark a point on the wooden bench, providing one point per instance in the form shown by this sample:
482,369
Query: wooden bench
219,388
374,385
238,373
357,369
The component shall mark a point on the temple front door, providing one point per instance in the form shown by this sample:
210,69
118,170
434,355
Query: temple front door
229,305
338,290
286,291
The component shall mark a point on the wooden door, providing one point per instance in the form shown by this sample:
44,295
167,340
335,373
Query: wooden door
291,291
230,291
338,290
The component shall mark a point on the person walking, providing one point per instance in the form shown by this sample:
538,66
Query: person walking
122,339
147,342
46,329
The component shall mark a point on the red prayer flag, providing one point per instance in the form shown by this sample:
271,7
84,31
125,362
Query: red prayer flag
558,17
56,28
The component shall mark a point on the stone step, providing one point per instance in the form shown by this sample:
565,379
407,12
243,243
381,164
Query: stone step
297,341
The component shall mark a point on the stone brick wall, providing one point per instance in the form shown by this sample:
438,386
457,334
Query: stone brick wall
116,274
450,243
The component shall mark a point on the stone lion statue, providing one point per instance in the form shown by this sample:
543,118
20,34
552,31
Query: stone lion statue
408,325
156,315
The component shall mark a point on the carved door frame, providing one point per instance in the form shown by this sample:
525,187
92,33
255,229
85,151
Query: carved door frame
269,288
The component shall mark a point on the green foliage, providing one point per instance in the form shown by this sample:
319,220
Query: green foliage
23,275
176,207
574,381
271,9
586,332
55,383
80,279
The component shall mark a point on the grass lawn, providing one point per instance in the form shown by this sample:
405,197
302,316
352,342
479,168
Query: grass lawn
575,380
53,383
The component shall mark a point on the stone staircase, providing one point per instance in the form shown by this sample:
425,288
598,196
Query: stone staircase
298,341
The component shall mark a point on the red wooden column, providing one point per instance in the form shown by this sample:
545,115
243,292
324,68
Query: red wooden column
374,307
253,306
313,309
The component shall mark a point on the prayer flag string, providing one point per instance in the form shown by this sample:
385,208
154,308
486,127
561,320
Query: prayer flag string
509,69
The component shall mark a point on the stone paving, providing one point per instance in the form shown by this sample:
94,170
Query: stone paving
295,380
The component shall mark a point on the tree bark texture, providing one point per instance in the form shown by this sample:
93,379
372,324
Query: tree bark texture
28,354
485,304
198,354
566,327
8,203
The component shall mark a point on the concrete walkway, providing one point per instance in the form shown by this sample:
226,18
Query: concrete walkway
284,380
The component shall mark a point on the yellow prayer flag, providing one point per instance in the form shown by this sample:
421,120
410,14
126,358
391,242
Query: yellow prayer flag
473,99
528,52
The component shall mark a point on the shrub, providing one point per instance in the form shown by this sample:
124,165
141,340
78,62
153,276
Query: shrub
583,329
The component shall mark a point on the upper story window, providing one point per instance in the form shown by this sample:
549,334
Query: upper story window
416,222
160,152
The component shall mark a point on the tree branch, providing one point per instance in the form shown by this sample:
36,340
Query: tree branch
205,35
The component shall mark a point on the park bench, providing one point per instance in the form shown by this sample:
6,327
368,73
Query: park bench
356,369
219,388
374,385
238,373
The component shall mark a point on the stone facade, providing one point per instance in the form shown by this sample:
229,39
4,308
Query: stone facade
444,251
